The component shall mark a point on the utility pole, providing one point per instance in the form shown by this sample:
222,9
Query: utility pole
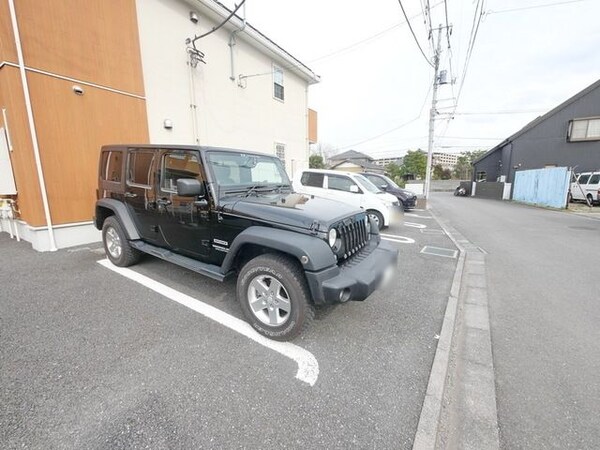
432,113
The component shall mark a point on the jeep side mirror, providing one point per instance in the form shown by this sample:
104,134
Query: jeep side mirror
354,189
190,187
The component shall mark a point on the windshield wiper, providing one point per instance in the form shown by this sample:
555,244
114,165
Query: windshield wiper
279,187
255,188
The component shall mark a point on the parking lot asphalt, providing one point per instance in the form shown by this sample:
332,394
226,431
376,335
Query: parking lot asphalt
93,359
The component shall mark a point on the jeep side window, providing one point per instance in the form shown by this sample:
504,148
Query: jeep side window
139,168
111,165
340,183
313,179
176,165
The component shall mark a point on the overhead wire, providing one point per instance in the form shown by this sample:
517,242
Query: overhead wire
193,41
348,47
396,127
413,34
545,5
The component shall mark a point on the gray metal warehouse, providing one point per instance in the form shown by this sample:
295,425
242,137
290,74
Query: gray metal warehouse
566,136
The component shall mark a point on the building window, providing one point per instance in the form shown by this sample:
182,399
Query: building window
280,152
584,130
278,91
481,176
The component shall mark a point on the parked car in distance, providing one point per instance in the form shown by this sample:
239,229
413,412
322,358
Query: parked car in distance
351,188
586,187
232,213
407,198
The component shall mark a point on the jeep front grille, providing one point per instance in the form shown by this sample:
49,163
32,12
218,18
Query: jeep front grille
353,235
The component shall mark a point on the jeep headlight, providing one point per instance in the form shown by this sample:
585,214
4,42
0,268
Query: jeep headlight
332,237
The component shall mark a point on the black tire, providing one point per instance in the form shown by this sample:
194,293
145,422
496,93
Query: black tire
111,232
590,200
270,269
377,217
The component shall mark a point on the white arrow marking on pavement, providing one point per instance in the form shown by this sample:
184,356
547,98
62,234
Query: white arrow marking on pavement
417,215
398,239
308,366
415,225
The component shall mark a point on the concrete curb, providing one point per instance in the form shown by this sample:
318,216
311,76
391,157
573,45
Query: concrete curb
429,420
465,414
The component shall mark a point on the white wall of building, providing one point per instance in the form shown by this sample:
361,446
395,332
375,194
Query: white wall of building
227,115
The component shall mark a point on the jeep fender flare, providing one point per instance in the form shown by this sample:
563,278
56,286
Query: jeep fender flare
121,212
317,251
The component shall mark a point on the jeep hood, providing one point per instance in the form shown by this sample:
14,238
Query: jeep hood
297,210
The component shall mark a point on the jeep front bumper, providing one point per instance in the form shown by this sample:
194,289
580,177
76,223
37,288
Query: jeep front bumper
356,278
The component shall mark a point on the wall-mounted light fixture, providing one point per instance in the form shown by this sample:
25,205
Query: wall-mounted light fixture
168,124
78,89
193,17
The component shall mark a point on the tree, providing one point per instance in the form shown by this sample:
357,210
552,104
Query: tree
464,165
415,163
438,171
446,174
316,162
394,171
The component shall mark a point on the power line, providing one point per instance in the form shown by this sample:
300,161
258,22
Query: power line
430,33
413,33
489,113
193,41
546,5
392,129
477,16
343,49
369,38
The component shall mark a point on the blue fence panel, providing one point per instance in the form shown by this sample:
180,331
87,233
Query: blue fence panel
544,187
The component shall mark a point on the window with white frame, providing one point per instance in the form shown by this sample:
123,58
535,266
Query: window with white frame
584,130
278,91
280,151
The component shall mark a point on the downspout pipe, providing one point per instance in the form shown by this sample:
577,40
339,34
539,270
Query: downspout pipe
32,129
232,42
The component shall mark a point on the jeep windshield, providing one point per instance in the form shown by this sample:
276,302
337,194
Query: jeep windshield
247,172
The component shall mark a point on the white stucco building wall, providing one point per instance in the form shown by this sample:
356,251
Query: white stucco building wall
203,104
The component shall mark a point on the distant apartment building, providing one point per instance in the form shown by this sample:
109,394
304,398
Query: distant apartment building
385,161
446,160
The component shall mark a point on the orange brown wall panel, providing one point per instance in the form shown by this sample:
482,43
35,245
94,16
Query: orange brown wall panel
71,129
8,51
90,40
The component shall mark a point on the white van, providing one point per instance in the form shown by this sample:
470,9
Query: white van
586,187
351,188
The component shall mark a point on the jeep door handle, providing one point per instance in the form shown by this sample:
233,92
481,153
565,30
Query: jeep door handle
130,195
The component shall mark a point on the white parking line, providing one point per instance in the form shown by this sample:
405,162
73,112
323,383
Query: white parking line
417,215
308,366
415,225
397,239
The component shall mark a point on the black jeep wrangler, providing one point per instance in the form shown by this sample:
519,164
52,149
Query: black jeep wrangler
223,212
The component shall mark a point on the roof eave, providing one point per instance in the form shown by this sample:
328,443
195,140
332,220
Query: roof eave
219,12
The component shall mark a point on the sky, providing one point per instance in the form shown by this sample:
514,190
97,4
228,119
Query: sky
375,91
